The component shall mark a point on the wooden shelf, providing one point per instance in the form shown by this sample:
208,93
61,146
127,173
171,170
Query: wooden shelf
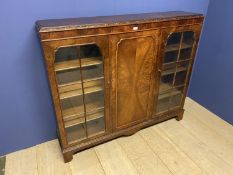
72,112
175,62
162,107
168,71
75,89
164,86
96,127
171,90
174,47
171,71
78,132
169,94
76,82
65,65
69,122
183,60
79,110
181,68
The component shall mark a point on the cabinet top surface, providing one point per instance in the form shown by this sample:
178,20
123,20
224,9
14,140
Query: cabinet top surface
51,25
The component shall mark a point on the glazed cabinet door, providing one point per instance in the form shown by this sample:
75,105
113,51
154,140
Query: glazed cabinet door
176,59
78,72
133,61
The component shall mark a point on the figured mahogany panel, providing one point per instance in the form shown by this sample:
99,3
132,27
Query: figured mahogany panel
132,49
134,63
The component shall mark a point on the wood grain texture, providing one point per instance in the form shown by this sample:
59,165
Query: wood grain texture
134,68
22,162
86,163
132,65
131,47
50,161
144,160
104,21
174,158
199,152
210,119
168,148
113,159
66,65
210,137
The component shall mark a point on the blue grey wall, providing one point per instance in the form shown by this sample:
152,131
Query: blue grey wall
26,111
212,80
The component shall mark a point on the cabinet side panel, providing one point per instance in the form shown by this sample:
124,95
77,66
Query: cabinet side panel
49,58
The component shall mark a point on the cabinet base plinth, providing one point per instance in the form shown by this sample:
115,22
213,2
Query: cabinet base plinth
68,156
180,116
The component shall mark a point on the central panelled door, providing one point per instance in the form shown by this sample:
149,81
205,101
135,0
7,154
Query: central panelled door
133,77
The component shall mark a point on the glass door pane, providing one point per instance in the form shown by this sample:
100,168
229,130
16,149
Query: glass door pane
176,97
163,102
93,84
80,78
175,66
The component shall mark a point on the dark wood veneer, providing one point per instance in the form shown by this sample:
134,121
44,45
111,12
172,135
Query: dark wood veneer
133,51
107,21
